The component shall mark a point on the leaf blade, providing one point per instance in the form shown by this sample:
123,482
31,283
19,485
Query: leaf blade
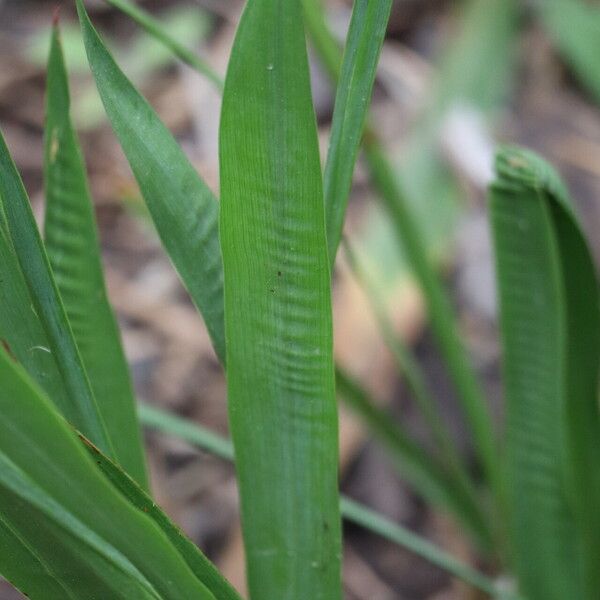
359,64
71,241
53,495
548,301
278,310
20,227
183,208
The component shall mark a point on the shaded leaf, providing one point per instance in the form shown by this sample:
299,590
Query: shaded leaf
71,242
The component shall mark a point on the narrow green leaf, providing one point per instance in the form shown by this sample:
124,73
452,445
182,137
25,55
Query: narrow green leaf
411,236
153,27
440,313
55,499
574,26
202,438
71,241
278,310
198,563
16,218
361,55
421,470
23,568
403,537
21,332
551,341
184,210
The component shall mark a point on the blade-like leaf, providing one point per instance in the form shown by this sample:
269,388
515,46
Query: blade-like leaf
21,332
550,331
16,218
411,236
153,27
443,322
278,310
71,241
422,470
55,499
574,26
202,438
198,563
363,46
184,210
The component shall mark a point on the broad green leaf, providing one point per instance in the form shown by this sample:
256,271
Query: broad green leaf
71,242
18,224
278,325
574,26
184,210
56,501
423,471
200,437
361,55
550,332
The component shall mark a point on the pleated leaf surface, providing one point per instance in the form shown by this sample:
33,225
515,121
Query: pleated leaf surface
71,241
278,311
550,328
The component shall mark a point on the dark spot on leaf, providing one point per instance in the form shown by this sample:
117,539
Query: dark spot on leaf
278,273
8,350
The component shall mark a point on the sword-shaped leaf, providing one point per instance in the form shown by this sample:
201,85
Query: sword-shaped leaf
71,242
361,55
20,231
90,540
278,310
184,210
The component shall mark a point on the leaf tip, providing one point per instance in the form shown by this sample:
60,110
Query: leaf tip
56,17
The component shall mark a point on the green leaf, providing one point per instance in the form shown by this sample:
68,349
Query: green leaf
575,29
21,331
361,55
202,438
56,501
18,224
551,340
439,310
184,210
424,472
154,28
374,522
198,563
411,231
71,242
278,325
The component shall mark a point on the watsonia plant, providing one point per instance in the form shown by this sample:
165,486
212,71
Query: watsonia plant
76,520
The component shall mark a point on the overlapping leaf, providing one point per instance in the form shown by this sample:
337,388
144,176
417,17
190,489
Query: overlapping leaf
71,242
184,210
359,65
22,237
84,539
